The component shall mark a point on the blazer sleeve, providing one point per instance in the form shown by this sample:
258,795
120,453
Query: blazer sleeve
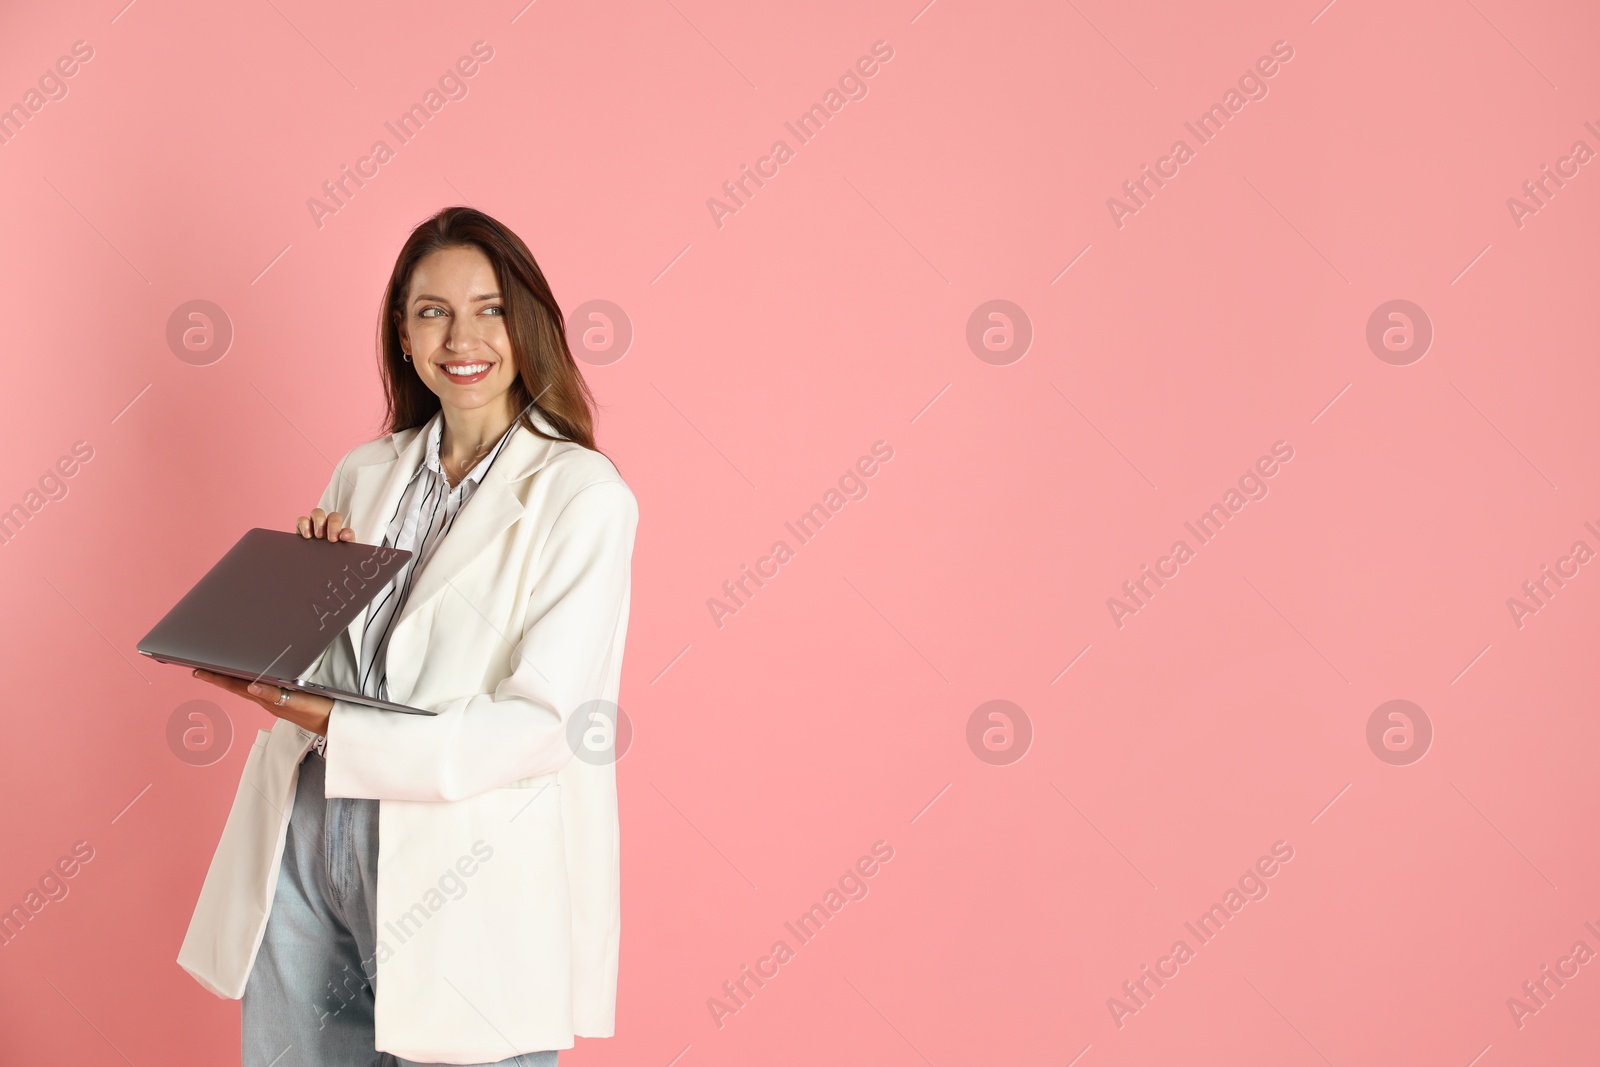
563,659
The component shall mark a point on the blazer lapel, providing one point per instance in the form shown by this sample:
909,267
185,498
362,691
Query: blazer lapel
495,505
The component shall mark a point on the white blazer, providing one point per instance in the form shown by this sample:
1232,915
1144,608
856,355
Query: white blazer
517,622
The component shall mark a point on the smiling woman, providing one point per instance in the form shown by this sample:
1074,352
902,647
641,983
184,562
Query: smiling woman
507,620
449,308
454,330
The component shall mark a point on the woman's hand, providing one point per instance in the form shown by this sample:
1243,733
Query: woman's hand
324,524
307,710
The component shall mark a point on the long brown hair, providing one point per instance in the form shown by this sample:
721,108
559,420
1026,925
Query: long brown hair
546,373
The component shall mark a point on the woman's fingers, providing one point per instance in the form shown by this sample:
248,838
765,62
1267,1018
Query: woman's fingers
213,678
224,681
303,709
320,524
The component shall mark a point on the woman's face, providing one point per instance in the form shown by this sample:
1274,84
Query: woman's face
455,329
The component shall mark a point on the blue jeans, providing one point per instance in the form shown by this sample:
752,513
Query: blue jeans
309,1000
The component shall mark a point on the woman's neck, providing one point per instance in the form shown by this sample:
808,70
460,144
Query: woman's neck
470,432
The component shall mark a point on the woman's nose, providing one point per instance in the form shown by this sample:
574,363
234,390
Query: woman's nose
463,334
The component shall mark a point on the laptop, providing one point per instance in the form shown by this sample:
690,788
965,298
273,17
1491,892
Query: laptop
269,609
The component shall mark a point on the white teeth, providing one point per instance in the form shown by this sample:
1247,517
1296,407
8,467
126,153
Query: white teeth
468,370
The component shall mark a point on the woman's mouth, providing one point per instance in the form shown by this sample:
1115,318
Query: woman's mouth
465,373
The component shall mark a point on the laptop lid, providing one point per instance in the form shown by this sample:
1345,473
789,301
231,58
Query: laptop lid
272,604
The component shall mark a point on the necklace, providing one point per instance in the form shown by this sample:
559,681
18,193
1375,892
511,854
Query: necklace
454,478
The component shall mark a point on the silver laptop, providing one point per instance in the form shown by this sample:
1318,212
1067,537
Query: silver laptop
270,607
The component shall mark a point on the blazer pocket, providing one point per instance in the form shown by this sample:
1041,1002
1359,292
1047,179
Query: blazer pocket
525,828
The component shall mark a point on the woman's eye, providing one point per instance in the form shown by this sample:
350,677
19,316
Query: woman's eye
497,310
427,313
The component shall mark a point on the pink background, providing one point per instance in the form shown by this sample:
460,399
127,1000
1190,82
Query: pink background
831,312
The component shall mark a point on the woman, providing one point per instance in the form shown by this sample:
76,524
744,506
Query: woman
404,889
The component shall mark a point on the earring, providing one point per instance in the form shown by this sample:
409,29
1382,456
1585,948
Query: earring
406,356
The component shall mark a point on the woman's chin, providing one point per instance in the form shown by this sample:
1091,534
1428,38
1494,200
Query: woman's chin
468,397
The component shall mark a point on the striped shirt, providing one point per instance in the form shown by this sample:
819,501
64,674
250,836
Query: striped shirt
427,510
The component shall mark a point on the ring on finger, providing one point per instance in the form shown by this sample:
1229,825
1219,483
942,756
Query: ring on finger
283,698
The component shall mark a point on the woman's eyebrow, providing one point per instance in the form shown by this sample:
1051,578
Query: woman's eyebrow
441,300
